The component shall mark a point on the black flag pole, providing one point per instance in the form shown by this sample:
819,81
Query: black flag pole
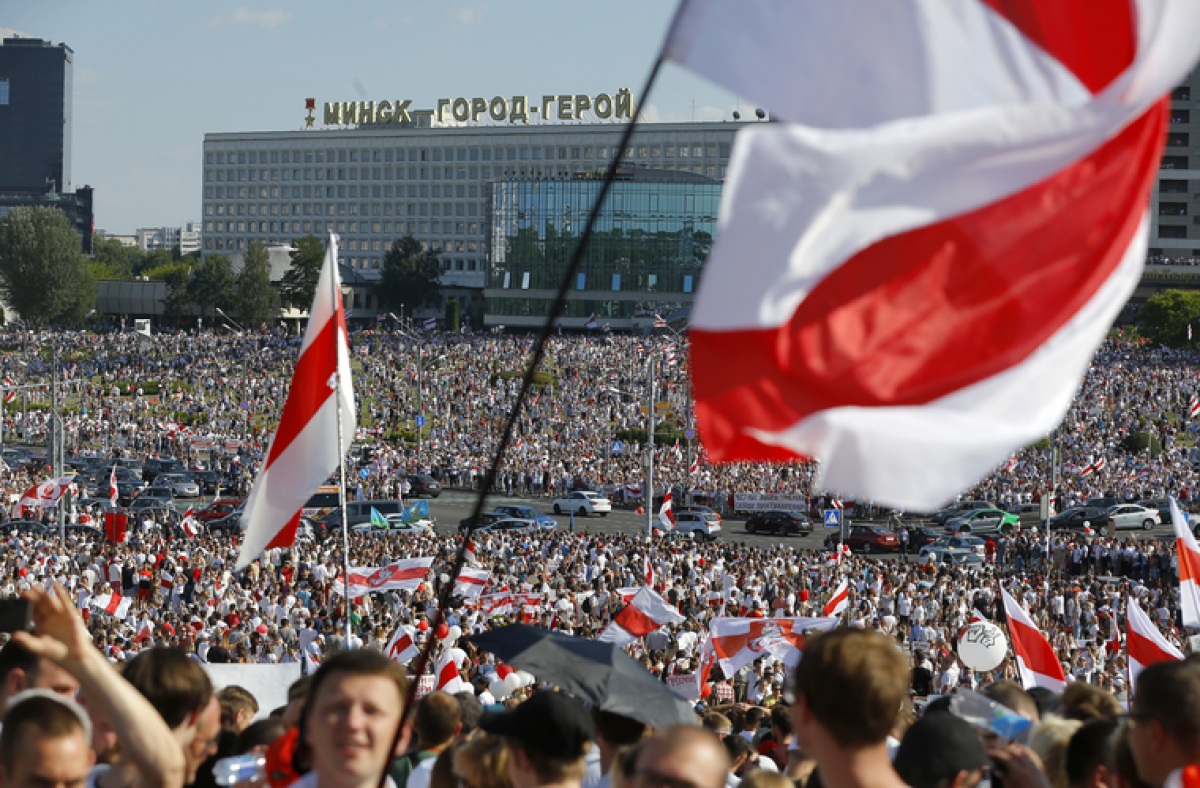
539,352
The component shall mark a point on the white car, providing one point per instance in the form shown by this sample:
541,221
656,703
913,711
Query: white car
1129,515
396,527
583,503
696,525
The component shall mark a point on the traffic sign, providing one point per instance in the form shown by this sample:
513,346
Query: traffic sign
689,434
833,518
364,473
420,421
618,447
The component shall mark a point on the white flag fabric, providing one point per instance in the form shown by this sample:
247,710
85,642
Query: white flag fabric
403,575
403,647
666,517
646,612
840,600
1037,663
471,582
739,641
112,486
1188,558
1145,643
43,494
115,605
913,271
304,450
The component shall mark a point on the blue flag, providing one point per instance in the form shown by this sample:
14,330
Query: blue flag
377,519
415,512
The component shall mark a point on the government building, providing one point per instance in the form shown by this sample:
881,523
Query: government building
499,197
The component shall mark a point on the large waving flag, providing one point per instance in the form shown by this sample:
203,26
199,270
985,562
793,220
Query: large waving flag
839,600
1145,643
471,582
378,520
739,641
45,493
1189,567
1037,663
914,269
403,575
402,647
646,612
113,491
417,511
304,450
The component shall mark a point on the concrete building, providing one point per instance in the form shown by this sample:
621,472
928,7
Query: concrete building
1175,199
185,239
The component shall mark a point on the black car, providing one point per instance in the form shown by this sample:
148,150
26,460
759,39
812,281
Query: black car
153,467
485,518
422,485
229,524
921,535
208,481
31,527
1075,518
781,523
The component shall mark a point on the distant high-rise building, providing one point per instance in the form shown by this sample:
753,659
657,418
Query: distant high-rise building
1175,198
186,238
35,116
35,132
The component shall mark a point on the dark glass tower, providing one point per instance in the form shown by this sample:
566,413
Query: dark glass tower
35,116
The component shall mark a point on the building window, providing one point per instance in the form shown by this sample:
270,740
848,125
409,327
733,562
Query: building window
1172,231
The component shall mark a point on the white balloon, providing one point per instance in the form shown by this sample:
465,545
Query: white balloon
498,689
525,678
512,683
982,646
455,633
457,654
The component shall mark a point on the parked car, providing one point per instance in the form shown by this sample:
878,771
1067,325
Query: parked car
984,521
164,494
421,485
485,518
358,512
182,485
1102,503
950,556
921,535
1077,516
510,525
866,539
31,527
544,521
209,481
961,542
583,503
395,527
1127,516
1162,505
697,508
696,525
781,523
229,524
959,508
155,466
218,509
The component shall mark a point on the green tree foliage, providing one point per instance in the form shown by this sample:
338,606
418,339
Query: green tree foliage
410,276
1138,442
256,302
167,272
1165,317
111,259
43,275
298,285
213,285
152,261
176,306
453,320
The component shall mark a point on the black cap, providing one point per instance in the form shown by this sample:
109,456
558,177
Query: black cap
936,748
549,723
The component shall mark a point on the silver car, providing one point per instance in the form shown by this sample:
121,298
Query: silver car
182,485
1127,516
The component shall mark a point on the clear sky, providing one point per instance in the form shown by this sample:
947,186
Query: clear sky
152,77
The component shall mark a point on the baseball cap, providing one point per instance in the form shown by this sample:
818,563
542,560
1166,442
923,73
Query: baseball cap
936,748
549,723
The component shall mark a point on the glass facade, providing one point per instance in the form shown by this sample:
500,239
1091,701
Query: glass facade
645,256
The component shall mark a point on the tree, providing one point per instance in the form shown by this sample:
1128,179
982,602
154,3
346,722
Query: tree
213,285
256,302
175,305
452,319
299,284
1166,316
43,275
410,276
111,259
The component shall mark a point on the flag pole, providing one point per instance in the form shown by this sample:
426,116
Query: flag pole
336,298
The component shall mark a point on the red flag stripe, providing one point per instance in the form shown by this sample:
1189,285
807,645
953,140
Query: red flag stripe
635,622
927,312
448,673
1094,39
1189,563
317,363
1031,646
1145,651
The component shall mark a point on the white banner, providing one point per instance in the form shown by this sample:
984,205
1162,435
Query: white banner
764,502
267,683
684,686
425,685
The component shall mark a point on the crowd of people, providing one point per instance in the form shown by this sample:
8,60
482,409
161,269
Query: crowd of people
161,606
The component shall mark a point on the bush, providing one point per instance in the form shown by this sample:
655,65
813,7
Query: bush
1136,443
540,378
150,388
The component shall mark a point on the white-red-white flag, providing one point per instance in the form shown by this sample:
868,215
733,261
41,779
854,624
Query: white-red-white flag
166,581
839,600
861,303
304,451
1037,663
189,524
646,612
665,515
42,494
115,605
446,670
404,575
1188,558
648,570
112,487
1194,407
471,582
469,554
1145,643
430,323
740,641
11,394
402,647
591,321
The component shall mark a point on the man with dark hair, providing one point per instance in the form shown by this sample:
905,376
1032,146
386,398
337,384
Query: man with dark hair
682,756
21,670
470,710
849,688
941,750
180,691
437,721
1091,757
613,731
781,733
46,741
350,717
1164,733
547,738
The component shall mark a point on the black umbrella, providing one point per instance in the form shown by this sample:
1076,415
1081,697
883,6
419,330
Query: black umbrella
600,673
